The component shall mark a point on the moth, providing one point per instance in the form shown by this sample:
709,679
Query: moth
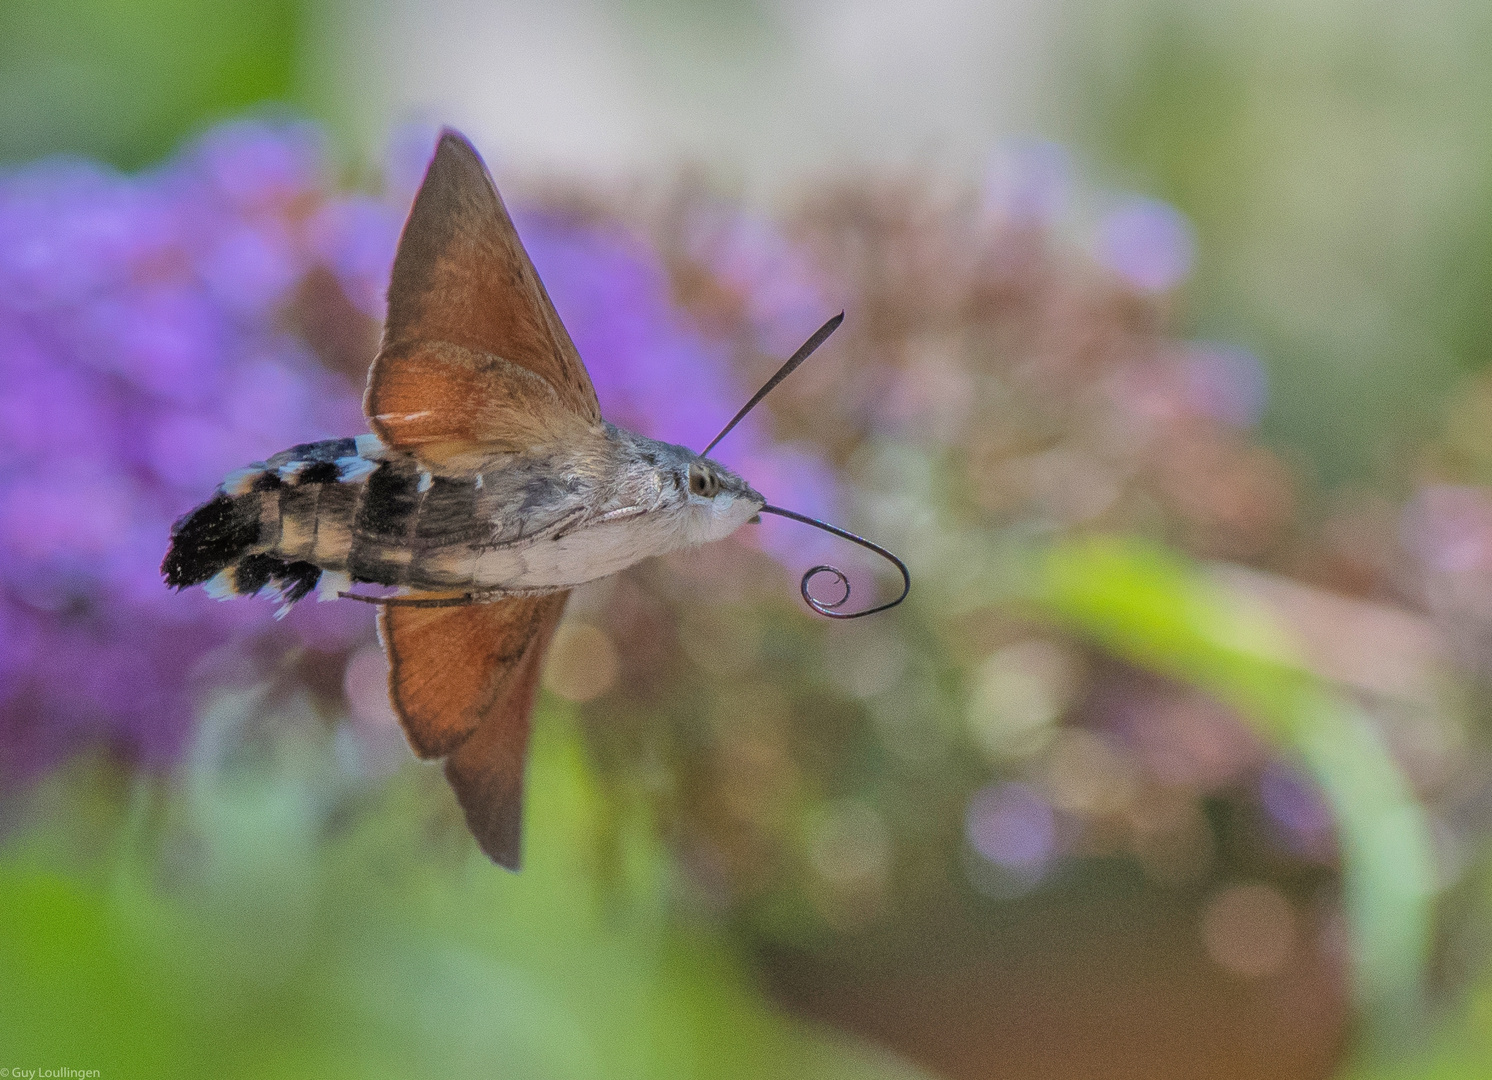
488,488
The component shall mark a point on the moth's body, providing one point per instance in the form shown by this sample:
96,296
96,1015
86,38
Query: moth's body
549,517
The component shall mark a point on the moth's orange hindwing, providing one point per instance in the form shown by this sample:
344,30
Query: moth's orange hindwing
463,681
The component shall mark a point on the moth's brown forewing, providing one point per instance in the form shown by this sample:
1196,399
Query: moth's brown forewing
474,361
439,401
468,323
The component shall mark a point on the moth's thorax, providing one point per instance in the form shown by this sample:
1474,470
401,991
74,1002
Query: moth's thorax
600,508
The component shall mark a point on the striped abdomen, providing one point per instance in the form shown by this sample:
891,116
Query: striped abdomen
345,508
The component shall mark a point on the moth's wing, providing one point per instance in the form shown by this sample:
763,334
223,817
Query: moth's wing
487,771
473,351
463,681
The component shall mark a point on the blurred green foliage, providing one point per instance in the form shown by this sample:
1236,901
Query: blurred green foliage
126,80
1148,605
244,924
275,913
1336,161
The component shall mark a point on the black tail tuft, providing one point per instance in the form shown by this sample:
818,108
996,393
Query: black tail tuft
211,538
230,543
291,581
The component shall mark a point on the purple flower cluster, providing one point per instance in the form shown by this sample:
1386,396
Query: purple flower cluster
143,357
147,348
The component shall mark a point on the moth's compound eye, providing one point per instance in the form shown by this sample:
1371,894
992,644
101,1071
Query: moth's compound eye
703,481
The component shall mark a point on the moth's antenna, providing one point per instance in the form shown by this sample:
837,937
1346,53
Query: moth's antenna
831,610
804,352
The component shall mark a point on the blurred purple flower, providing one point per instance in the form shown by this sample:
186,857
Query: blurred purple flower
1297,808
783,298
1149,243
356,236
143,357
1227,383
405,158
258,166
1013,826
798,479
651,372
253,267
1027,183
1449,529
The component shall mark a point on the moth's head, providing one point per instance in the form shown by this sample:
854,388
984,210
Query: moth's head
704,499
716,500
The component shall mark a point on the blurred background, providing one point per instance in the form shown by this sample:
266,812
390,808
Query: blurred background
1164,367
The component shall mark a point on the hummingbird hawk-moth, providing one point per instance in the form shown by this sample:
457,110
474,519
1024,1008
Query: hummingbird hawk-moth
489,487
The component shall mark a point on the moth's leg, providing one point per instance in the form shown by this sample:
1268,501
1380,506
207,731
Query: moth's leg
476,596
621,514
412,601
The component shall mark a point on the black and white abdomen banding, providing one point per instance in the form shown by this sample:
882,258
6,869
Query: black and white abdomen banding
277,525
329,514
